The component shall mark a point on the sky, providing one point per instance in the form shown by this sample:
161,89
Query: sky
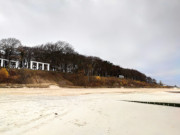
134,34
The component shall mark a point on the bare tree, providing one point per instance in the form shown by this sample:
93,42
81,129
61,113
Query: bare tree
64,47
9,46
62,57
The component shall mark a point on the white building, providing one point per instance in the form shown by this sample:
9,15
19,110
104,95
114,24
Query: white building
3,62
121,76
35,65
11,63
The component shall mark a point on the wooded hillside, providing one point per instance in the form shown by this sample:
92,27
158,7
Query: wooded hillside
63,58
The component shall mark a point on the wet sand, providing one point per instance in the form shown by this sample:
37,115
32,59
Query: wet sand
102,111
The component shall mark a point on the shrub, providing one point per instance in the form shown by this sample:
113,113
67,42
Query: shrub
3,74
98,78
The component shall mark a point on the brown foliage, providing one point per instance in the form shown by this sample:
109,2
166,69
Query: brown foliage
26,76
3,74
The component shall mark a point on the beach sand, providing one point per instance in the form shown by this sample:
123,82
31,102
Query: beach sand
86,111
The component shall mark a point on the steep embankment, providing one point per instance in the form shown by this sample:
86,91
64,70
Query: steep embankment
32,78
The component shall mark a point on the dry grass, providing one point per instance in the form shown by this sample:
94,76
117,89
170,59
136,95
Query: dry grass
110,82
43,79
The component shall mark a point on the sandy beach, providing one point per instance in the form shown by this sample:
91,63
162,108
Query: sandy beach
86,111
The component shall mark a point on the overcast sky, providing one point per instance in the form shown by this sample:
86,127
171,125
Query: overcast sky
137,34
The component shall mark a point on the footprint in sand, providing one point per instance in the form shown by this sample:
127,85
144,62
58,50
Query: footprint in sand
79,123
